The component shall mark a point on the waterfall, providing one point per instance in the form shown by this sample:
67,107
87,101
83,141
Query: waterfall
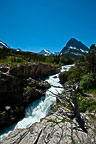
40,108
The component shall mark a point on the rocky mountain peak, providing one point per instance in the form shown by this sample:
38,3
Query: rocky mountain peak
48,53
75,43
74,48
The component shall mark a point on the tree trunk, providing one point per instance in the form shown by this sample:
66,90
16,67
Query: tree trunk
77,115
76,107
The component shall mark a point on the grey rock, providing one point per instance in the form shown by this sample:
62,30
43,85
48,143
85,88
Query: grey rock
52,131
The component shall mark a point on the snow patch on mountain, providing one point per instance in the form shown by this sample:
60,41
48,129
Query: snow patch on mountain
72,47
48,53
78,54
3,45
84,51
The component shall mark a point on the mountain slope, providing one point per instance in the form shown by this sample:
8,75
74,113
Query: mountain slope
74,48
45,52
48,53
3,45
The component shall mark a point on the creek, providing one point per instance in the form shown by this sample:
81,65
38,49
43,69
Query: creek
40,108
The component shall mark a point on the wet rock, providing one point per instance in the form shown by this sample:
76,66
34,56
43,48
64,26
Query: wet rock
43,85
55,77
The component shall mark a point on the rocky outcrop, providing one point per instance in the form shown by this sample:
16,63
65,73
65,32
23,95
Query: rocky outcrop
4,68
55,129
74,49
16,94
18,89
35,71
11,89
34,89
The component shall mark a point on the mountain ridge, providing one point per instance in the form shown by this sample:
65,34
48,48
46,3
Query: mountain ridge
48,53
74,48
4,45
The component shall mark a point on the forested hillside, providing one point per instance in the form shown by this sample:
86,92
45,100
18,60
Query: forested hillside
83,74
12,56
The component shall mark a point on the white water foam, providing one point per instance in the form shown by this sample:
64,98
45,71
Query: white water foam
40,108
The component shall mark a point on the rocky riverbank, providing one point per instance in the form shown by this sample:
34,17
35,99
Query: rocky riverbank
20,86
60,127
56,128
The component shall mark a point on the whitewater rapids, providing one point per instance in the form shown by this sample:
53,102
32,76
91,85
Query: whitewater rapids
40,108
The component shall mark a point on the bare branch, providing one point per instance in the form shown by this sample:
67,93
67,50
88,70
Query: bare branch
64,97
57,86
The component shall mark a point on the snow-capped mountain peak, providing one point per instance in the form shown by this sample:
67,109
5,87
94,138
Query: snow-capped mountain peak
48,53
3,45
74,48
45,52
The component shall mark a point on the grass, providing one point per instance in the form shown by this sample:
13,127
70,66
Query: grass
53,121
73,142
86,103
91,91
62,121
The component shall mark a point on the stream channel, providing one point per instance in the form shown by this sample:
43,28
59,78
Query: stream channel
40,108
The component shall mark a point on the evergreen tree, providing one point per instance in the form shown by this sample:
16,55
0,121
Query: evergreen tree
91,59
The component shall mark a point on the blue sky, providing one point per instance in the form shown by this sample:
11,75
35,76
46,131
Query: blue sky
33,25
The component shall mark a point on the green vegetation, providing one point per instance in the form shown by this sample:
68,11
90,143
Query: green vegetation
86,103
73,141
63,77
84,74
87,81
75,73
25,93
63,120
10,56
91,91
53,121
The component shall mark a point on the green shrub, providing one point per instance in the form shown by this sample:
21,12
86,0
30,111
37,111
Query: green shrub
91,91
91,108
76,73
87,81
86,104
63,77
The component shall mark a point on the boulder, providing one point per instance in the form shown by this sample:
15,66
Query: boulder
55,77
43,85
